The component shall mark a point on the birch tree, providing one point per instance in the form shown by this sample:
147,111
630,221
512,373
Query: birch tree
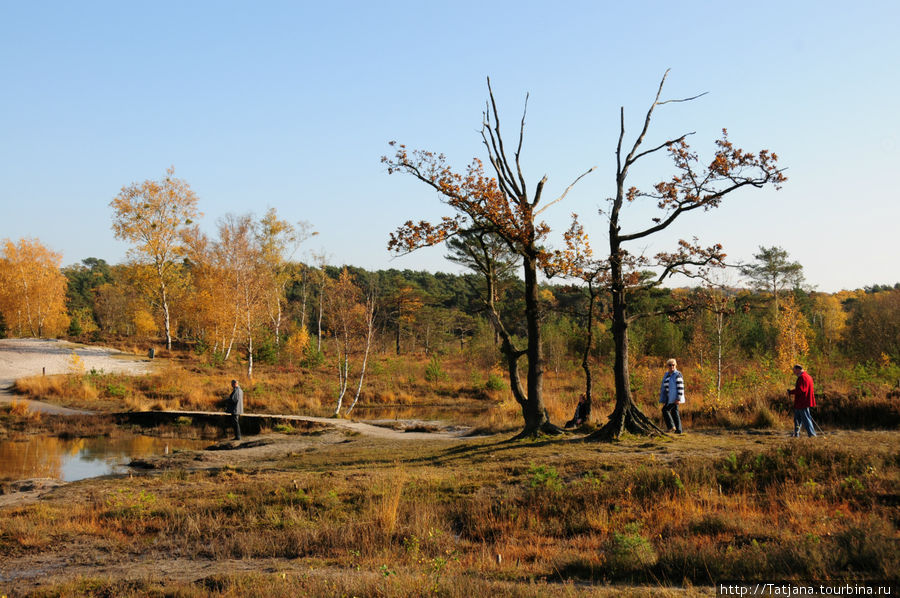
352,327
151,216
278,240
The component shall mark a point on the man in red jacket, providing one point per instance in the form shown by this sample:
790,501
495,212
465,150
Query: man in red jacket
804,398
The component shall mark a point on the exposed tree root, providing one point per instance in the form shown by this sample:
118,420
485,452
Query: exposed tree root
545,428
630,419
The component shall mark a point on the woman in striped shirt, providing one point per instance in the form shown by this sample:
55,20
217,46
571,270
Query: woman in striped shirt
671,394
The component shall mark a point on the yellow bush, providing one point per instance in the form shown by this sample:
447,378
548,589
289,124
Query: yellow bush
144,324
296,345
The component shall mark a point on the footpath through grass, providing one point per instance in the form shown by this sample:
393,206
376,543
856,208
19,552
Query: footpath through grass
336,515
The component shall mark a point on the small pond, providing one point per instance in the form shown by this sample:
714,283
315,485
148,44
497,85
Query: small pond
70,459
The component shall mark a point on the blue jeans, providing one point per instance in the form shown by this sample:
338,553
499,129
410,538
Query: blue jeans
802,418
672,417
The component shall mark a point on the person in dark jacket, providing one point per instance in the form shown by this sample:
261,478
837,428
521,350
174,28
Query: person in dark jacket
804,398
235,406
582,412
671,394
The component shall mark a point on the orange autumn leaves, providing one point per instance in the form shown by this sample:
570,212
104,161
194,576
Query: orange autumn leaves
476,198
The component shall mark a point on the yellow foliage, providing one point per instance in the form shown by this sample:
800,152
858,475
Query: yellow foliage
19,408
76,364
144,324
32,289
793,332
85,320
296,344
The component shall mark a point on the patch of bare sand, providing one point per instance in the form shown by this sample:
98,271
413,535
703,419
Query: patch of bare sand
21,357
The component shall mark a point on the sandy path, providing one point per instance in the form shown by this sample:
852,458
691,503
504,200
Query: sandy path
20,357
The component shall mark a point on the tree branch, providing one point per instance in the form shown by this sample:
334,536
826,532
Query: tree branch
561,197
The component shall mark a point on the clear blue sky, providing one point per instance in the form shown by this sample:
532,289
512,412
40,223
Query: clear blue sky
292,104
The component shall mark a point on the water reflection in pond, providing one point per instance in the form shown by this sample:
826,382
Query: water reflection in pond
70,459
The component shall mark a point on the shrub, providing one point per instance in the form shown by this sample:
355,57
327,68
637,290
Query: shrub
629,552
544,476
434,372
267,352
764,418
313,358
495,383
116,391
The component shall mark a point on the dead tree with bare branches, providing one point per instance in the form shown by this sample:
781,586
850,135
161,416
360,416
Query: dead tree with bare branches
505,207
692,187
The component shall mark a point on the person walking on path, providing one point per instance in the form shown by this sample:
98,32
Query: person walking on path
804,398
235,406
671,394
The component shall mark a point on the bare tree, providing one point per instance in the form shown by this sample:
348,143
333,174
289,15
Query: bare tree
692,187
505,207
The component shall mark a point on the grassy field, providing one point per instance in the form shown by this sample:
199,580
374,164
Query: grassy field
752,395
331,514
341,514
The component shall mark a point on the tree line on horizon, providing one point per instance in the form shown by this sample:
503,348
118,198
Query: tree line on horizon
419,312
243,290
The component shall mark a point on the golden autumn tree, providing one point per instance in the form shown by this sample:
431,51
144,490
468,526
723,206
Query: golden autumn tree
211,309
151,216
404,301
830,321
351,322
246,280
693,186
32,289
792,344
278,239
504,206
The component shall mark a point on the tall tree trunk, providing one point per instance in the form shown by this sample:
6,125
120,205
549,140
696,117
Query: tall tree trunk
370,329
585,356
249,346
626,415
321,303
166,318
304,290
533,411
27,303
720,324
343,376
231,340
399,323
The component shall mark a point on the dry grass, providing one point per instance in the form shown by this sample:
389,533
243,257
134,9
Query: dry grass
20,409
515,518
752,397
